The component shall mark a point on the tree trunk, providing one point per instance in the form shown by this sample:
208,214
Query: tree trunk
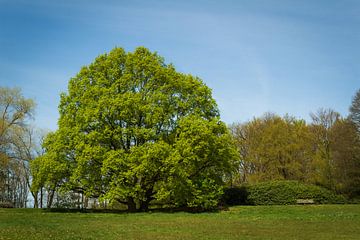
36,199
50,198
131,204
41,197
144,205
82,201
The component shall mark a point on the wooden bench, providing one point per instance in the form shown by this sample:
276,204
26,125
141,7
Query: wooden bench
305,201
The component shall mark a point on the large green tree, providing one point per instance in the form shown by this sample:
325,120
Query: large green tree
133,130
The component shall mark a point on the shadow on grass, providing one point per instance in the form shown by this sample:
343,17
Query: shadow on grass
119,211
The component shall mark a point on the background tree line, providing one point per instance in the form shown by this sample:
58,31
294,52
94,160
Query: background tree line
325,152
20,143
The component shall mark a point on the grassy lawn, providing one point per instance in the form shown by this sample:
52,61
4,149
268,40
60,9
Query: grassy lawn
245,222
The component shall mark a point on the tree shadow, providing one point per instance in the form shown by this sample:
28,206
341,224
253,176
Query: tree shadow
150,210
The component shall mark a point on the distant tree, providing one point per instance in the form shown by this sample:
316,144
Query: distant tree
26,146
273,148
243,134
325,152
355,110
322,122
15,111
325,118
132,130
345,152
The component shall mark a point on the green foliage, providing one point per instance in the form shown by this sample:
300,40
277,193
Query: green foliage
133,130
50,169
273,148
287,192
201,148
345,152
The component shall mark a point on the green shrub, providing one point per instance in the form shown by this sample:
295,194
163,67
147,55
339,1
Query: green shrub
279,193
287,192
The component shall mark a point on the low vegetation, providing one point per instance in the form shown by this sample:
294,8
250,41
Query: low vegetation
288,192
280,193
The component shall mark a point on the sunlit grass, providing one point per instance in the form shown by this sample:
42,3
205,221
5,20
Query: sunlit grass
246,222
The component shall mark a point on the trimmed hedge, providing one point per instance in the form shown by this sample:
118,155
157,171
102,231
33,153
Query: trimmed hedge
279,193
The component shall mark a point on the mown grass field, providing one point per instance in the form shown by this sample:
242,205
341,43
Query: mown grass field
245,222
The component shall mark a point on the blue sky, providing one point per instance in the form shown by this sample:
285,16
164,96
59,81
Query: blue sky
257,55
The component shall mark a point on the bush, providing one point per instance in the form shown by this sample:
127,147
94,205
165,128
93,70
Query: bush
279,193
287,192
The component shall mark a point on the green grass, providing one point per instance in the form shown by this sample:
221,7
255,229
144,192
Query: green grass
245,222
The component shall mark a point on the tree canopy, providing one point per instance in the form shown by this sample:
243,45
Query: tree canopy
133,130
